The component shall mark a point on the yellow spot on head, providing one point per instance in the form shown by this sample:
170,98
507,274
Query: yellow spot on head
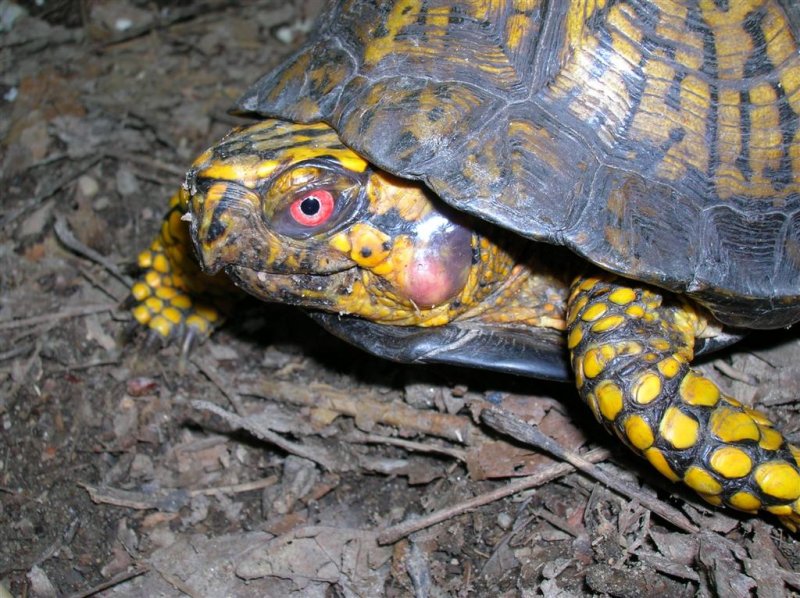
731,462
778,479
679,429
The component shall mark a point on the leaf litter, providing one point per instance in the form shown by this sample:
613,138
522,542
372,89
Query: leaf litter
278,461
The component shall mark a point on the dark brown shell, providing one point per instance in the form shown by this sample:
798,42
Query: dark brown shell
656,139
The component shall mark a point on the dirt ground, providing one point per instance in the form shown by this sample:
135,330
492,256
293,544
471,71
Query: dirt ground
278,461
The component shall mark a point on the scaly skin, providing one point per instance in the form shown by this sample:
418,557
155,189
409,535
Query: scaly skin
631,348
382,250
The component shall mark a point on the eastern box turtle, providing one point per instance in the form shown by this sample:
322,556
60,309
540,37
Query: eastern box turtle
526,186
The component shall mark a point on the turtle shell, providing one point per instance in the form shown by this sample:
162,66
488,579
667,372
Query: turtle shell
658,140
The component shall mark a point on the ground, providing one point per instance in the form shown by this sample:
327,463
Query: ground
277,460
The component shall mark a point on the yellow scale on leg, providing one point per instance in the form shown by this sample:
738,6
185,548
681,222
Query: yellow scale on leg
173,297
630,351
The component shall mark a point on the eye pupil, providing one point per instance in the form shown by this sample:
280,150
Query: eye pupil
310,206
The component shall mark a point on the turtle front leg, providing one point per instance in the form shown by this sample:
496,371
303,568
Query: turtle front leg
631,348
173,297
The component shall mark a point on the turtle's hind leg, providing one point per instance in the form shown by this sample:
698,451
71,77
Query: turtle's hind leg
630,349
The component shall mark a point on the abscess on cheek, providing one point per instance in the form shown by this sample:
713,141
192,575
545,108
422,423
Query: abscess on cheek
440,263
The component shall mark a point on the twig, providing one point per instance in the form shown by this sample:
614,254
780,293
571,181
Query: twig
224,387
394,533
149,162
262,433
734,374
66,237
49,190
168,501
504,422
322,396
114,581
69,312
420,447
162,22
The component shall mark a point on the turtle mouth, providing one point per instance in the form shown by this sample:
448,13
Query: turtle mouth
328,292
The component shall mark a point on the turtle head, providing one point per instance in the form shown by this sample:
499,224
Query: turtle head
292,215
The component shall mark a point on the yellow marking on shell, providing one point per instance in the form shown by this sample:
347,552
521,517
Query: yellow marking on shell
745,501
771,439
731,462
639,432
609,399
657,460
622,296
574,337
778,479
679,429
669,367
700,480
608,323
731,425
593,312
699,390
646,388
403,14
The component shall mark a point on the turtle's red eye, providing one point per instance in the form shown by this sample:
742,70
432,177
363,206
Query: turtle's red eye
312,208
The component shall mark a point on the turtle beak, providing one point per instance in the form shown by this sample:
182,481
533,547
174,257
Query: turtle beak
217,216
